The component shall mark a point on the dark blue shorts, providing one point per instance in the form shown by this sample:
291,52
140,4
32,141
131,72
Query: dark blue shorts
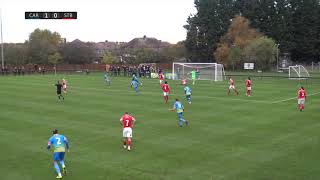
58,156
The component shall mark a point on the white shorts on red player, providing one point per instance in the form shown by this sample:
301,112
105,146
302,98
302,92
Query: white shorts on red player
249,88
64,87
165,93
232,87
301,100
127,132
161,81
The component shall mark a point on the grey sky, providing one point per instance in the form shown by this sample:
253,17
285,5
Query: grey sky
100,20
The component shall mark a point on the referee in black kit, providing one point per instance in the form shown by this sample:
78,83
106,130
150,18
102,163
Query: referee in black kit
59,90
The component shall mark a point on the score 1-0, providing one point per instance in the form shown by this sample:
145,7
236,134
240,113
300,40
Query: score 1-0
50,15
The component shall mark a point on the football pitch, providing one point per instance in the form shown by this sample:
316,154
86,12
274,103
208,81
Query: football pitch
263,137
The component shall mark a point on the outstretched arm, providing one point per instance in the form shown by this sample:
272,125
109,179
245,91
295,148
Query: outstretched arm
49,145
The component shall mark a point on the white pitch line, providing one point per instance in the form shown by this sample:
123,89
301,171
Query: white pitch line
173,94
195,96
284,100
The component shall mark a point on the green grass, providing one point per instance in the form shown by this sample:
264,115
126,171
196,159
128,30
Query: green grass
229,137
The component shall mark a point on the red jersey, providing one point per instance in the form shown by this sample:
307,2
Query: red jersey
231,82
183,81
165,87
161,76
302,94
248,83
127,121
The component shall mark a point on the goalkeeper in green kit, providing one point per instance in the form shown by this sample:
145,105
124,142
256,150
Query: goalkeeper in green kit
193,76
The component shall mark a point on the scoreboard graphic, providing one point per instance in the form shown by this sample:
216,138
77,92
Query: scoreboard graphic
50,15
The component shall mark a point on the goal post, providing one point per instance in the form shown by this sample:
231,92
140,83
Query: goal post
204,71
298,72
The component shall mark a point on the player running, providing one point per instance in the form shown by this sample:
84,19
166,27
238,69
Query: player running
60,145
135,83
232,86
302,95
161,77
188,92
64,85
107,79
166,90
127,122
178,107
59,89
248,86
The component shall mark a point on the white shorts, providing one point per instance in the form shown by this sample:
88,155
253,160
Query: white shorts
161,81
165,93
127,132
249,88
232,87
64,86
301,101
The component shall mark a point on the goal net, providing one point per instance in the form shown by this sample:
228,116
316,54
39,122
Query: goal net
204,71
298,72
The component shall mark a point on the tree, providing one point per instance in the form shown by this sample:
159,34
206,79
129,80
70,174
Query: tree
235,57
77,52
294,24
54,58
41,44
205,28
175,52
262,52
108,58
239,35
15,54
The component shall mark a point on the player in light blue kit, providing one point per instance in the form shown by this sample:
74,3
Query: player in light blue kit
135,83
107,79
188,92
178,107
60,144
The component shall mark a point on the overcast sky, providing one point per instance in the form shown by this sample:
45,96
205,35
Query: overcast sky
100,20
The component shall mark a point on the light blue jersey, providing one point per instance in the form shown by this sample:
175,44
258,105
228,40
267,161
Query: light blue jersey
135,84
178,107
135,78
187,90
106,78
58,142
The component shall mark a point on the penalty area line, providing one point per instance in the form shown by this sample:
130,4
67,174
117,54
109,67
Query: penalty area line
289,99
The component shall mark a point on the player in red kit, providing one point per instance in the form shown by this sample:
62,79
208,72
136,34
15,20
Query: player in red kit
161,77
127,122
184,81
232,86
166,90
248,86
302,95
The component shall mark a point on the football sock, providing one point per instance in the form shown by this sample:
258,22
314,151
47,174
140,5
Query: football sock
62,164
166,98
56,166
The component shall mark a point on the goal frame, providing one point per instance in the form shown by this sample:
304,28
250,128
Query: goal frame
297,69
215,66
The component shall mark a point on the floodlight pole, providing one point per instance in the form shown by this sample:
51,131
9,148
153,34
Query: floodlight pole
2,57
278,57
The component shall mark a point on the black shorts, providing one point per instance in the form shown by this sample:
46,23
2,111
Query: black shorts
58,92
